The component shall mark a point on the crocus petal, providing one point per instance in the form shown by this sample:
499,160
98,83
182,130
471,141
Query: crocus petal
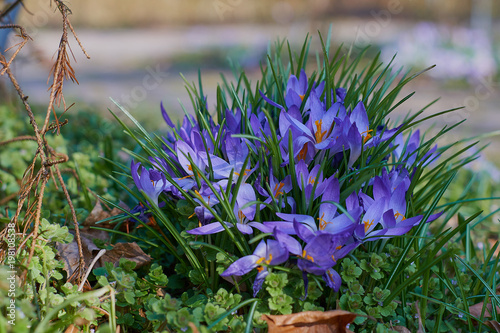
331,193
355,142
398,202
344,224
374,214
183,150
277,253
303,232
166,117
300,127
360,117
284,226
380,189
134,169
304,219
261,249
259,280
244,228
332,279
352,201
285,124
269,100
341,93
317,111
292,98
291,244
261,227
241,266
246,194
208,229
233,120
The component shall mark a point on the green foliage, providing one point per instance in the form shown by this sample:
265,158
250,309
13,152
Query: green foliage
92,152
45,296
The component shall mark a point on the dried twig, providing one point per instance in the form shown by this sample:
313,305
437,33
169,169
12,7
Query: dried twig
19,138
10,7
46,159
20,45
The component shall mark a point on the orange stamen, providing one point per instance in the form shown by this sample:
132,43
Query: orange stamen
398,214
319,135
244,172
368,224
368,135
241,216
322,222
306,256
303,153
277,189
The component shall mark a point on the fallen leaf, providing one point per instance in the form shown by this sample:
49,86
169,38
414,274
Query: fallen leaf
69,254
130,251
476,309
72,329
335,321
494,325
98,214
401,329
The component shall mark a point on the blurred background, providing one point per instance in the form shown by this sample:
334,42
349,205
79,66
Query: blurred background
138,49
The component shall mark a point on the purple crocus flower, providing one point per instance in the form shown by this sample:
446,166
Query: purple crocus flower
387,208
200,159
244,215
328,220
151,182
409,154
236,152
317,133
319,255
308,180
278,189
260,127
269,253
296,90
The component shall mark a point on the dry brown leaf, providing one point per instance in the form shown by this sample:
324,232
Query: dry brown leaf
130,251
335,321
476,309
494,325
401,329
72,329
68,253
98,214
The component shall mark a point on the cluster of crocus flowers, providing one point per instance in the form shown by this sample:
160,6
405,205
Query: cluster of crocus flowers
289,183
